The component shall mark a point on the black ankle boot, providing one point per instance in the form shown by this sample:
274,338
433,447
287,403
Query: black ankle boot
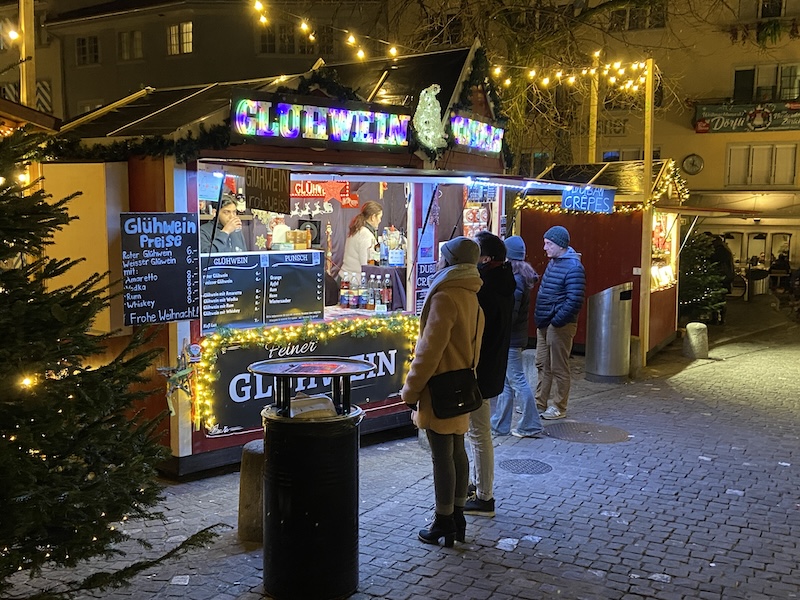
442,526
461,524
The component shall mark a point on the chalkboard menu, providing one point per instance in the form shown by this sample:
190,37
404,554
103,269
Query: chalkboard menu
160,279
248,289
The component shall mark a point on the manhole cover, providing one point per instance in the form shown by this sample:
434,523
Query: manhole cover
525,467
588,433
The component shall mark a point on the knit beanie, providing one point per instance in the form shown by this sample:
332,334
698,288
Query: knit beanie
558,235
461,250
515,248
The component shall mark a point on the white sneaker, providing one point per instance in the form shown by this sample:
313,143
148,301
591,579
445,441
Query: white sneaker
553,413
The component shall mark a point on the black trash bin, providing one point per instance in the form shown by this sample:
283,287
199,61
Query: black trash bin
311,483
311,505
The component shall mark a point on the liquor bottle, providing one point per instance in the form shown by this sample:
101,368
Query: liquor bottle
344,290
384,241
371,293
355,291
362,302
387,291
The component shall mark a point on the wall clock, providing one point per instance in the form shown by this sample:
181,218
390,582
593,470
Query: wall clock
693,164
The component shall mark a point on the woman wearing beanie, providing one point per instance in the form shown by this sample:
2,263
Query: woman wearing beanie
450,331
516,384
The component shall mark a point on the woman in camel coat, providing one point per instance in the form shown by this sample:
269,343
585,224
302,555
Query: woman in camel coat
451,327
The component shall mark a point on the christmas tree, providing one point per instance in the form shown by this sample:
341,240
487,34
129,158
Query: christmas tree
701,292
76,458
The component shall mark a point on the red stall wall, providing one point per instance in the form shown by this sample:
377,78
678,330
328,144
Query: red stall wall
610,248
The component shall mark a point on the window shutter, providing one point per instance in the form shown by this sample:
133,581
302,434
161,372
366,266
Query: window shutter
761,165
785,159
738,163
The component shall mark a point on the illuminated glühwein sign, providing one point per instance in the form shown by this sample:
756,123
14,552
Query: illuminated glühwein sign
310,121
476,135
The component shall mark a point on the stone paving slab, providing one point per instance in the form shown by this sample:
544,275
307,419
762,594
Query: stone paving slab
700,502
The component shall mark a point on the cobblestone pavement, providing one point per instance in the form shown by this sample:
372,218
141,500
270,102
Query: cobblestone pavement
699,501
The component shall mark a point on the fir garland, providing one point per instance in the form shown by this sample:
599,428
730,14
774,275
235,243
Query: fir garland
184,149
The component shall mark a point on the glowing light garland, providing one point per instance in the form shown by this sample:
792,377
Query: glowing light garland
672,178
206,374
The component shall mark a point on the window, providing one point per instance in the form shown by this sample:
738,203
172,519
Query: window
285,39
761,164
87,50
533,164
632,19
628,154
179,39
767,83
325,41
267,43
305,45
129,45
770,9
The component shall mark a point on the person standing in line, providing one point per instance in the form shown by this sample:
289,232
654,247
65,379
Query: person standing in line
496,298
362,238
450,333
516,384
558,303
228,237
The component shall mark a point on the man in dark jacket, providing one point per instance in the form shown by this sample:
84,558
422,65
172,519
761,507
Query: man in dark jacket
496,298
558,302
228,236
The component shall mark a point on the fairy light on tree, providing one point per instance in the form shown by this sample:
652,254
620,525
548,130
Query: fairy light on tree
74,456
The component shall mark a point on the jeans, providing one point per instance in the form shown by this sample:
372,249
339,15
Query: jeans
516,386
553,346
450,471
480,439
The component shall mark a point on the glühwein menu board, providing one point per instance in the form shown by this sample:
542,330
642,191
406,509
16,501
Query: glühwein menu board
160,279
249,289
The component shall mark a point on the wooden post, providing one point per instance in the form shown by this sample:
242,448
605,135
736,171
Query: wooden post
27,50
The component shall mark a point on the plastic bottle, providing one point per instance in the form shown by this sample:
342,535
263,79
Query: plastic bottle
387,291
355,291
371,294
362,303
344,290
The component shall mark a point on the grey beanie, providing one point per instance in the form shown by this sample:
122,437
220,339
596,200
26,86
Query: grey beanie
558,235
461,250
515,248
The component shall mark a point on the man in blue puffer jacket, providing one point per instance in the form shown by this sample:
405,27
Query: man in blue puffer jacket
560,297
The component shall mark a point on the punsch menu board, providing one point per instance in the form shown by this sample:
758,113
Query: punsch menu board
160,278
249,289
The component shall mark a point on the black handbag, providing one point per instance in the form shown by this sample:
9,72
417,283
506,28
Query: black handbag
456,393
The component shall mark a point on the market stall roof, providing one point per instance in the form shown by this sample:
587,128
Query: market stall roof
13,114
396,81
625,176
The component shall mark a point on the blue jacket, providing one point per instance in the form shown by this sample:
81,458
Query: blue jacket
561,291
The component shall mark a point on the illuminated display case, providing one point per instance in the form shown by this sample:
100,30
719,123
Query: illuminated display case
664,251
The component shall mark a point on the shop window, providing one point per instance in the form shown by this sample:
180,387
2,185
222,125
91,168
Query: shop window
129,45
179,39
87,50
761,164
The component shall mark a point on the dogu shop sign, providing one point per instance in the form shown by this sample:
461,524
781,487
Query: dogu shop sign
315,122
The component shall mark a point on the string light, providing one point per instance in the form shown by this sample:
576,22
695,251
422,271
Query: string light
672,178
308,29
205,374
